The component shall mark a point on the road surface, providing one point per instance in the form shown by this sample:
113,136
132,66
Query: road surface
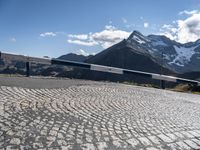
38,113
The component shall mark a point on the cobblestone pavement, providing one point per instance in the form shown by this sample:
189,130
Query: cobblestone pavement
98,116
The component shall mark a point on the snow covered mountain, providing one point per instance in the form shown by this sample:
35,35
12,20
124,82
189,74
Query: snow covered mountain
175,56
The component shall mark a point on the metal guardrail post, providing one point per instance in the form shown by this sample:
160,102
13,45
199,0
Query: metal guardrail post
27,69
162,84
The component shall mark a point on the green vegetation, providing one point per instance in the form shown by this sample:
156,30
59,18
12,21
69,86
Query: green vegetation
179,88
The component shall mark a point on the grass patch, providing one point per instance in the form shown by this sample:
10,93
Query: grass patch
187,88
144,85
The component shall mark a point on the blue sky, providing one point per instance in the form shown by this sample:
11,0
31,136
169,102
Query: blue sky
56,27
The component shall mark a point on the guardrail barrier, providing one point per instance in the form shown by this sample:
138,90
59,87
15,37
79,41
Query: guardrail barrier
95,67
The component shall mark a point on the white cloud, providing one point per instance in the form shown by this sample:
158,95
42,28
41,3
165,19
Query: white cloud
167,26
13,40
105,38
110,22
187,30
85,43
141,18
169,35
80,36
124,20
82,52
146,24
48,34
169,31
110,27
108,37
186,12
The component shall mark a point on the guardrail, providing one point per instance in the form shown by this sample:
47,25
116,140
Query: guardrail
95,67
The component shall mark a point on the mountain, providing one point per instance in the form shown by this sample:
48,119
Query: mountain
74,57
129,56
175,56
152,53
147,53
190,75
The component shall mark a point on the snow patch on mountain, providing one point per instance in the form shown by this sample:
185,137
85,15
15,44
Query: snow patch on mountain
183,56
138,39
167,57
159,43
174,55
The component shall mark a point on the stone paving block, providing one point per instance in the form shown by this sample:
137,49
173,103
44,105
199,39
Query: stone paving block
145,141
165,138
192,144
183,145
133,142
155,140
98,116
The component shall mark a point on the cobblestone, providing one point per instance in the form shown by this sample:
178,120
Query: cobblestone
99,116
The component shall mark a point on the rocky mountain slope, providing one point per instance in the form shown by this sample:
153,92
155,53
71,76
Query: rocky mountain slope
153,53
175,56
123,56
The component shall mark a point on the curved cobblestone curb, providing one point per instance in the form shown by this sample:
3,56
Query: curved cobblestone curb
98,117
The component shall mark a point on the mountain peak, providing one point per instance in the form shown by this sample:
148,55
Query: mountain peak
136,33
138,37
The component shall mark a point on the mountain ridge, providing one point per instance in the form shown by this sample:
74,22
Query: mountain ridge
175,56
74,57
122,56
168,54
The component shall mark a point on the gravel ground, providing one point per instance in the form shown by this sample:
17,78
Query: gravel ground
42,113
43,82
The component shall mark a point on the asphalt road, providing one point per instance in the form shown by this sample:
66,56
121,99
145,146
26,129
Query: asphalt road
43,113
